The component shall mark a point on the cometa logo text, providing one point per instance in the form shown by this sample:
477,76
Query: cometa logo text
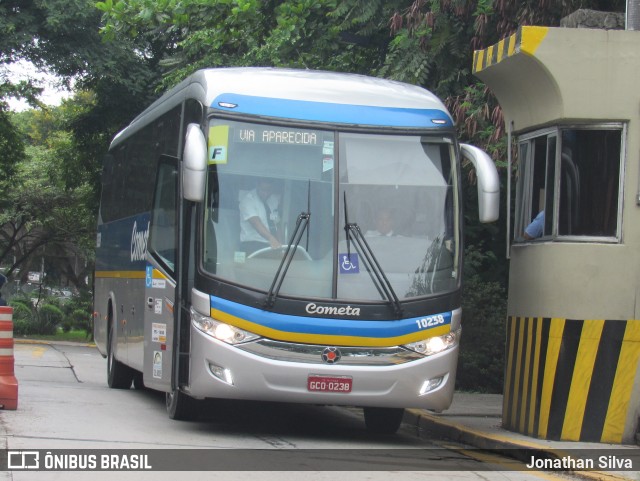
139,243
332,310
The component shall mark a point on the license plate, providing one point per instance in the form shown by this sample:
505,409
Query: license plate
339,384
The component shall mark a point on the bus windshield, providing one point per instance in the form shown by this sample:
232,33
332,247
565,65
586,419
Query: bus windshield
343,203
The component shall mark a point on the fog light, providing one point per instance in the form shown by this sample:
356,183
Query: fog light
221,373
430,384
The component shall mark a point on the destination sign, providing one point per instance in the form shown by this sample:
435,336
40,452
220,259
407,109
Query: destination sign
272,135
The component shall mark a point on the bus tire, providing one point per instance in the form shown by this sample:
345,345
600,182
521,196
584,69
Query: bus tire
181,406
138,381
383,420
119,376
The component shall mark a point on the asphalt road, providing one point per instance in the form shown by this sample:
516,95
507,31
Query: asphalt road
65,404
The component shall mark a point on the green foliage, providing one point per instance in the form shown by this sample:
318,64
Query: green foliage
52,199
185,35
22,316
406,62
484,311
51,158
80,319
28,319
63,37
11,149
45,316
79,312
430,45
49,317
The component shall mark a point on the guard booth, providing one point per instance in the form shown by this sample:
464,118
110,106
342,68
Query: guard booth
571,100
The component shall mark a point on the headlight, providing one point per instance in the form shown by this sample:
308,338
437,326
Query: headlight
221,331
437,344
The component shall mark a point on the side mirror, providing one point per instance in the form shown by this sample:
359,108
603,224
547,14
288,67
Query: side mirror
488,182
194,164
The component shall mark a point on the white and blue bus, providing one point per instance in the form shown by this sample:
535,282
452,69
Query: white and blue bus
347,292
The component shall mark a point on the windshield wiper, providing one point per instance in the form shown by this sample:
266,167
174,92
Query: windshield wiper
385,289
301,225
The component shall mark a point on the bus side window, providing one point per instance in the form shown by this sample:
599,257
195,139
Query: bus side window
222,222
163,217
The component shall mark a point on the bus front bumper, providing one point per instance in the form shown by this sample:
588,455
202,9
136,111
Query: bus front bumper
220,370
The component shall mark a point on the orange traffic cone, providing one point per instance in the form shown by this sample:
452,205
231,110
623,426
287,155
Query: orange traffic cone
8,381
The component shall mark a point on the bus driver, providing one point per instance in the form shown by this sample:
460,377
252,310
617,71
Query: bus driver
259,218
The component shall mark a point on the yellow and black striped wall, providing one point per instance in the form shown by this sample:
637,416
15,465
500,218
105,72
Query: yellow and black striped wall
570,379
525,40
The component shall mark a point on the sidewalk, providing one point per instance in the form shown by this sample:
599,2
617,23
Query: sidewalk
476,420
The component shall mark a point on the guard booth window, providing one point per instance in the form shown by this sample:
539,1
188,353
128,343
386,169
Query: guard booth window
569,184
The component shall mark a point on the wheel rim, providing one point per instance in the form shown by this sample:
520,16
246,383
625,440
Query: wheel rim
111,358
110,353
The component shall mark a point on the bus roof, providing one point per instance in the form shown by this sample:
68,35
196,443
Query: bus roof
306,95
317,86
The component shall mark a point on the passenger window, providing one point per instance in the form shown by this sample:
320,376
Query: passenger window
163,217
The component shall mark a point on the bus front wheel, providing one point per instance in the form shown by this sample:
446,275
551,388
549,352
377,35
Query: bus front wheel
119,376
383,420
180,406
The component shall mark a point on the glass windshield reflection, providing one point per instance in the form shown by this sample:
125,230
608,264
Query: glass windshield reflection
261,178
399,190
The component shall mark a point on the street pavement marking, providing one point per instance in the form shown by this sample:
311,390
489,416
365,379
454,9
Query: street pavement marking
38,352
507,463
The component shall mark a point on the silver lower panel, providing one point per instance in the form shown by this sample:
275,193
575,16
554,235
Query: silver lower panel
255,377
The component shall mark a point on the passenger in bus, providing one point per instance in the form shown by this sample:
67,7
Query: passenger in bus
259,218
384,223
534,230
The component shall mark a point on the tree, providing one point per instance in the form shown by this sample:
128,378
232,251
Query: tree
433,43
184,35
48,207
113,83
63,37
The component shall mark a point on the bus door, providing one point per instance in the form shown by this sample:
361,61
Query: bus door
160,279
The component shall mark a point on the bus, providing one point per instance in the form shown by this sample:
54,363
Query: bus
346,292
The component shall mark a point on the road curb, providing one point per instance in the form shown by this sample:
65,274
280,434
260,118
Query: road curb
430,426
48,342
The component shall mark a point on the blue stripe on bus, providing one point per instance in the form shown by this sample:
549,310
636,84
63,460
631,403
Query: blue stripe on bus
330,112
327,326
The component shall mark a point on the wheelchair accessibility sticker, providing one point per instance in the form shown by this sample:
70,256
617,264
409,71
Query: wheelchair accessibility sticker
148,278
348,263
